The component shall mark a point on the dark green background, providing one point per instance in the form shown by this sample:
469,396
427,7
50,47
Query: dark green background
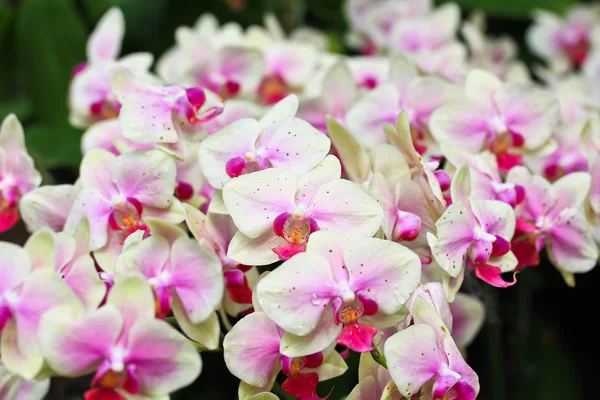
540,339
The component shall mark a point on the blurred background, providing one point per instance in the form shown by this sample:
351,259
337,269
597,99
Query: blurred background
540,338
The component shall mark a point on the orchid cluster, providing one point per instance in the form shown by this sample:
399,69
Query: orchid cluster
260,196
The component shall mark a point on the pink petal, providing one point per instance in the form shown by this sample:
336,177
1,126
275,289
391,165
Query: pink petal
382,271
75,347
8,218
413,358
571,246
146,175
342,206
14,266
47,206
251,349
164,360
302,386
133,297
296,293
358,337
491,275
105,42
197,277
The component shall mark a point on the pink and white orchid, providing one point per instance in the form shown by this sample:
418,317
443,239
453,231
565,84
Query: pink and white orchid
185,276
276,211
26,294
552,214
252,353
131,352
504,118
69,256
18,175
217,231
117,193
563,43
339,289
152,113
404,90
473,234
424,359
90,97
277,140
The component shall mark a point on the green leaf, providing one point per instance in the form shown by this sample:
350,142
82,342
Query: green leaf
50,42
514,8
54,145
20,107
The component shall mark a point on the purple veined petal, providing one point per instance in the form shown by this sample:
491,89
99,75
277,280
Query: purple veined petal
296,294
105,42
197,278
328,170
164,361
74,346
255,200
342,206
382,271
413,358
271,123
234,140
251,349
145,175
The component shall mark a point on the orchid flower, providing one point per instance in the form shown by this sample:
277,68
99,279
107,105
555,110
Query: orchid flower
504,118
404,90
338,94
252,353
152,113
18,175
578,97
234,109
130,351
424,358
185,275
107,135
276,140
552,214
433,293
369,72
276,211
486,182
68,255
25,296
217,231
13,387
90,97
339,289
117,193
473,234
563,43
